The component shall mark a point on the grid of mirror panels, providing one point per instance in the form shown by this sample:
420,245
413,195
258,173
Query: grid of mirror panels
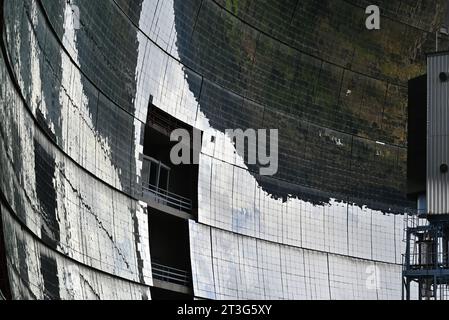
238,204
65,207
62,278
176,34
230,266
216,64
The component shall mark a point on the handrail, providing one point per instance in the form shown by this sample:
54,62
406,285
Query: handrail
429,259
169,198
162,191
170,274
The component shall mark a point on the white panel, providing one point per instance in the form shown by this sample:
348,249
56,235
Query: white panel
383,233
317,276
312,226
221,194
336,227
244,218
204,190
359,232
293,273
269,262
201,257
400,245
349,279
292,223
270,216
389,280
250,278
226,264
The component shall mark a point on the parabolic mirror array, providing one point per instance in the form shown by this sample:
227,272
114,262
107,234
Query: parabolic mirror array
74,105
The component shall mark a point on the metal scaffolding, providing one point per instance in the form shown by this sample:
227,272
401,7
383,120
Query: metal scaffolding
426,259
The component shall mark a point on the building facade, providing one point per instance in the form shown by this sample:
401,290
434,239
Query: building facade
92,208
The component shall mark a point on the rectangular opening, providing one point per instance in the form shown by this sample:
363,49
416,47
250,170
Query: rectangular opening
169,247
417,137
173,185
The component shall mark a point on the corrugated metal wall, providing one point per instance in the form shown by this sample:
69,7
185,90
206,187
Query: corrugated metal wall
437,134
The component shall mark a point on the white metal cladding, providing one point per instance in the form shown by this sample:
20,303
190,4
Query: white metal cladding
227,265
437,134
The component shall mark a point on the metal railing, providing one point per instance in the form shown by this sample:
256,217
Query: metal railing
429,260
167,198
414,221
169,274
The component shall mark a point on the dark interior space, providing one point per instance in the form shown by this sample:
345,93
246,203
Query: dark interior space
4,281
181,180
169,240
416,136
161,294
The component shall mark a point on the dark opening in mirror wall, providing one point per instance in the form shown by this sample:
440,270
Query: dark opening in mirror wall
74,111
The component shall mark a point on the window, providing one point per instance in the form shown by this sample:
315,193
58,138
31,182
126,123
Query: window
155,175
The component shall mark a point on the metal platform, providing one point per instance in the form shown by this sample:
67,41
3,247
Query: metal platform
426,259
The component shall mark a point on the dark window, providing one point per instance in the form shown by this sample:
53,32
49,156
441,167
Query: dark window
156,175
154,170
163,178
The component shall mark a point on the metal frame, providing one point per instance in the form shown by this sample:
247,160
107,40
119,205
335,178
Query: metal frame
165,197
159,166
426,259
169,274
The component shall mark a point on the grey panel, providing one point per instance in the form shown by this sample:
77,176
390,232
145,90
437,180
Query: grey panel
437,135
